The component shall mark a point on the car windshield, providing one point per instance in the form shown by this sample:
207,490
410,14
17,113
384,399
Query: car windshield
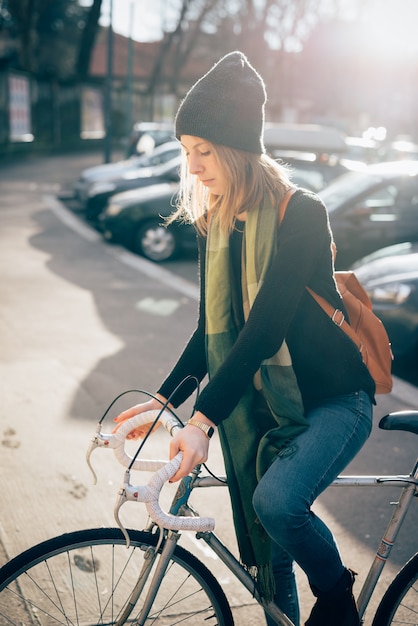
163,157
397,250
161,154
347,186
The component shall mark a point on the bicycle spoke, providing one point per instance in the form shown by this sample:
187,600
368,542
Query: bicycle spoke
35,606
407,613
399,605
90,578
176,599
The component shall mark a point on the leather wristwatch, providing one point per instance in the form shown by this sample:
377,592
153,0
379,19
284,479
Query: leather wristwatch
208,430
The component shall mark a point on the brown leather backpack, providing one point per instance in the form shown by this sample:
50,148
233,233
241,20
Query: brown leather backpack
365,328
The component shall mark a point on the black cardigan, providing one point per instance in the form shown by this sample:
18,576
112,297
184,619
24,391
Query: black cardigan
325,360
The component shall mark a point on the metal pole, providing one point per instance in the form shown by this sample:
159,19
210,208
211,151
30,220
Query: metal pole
108,93
129,93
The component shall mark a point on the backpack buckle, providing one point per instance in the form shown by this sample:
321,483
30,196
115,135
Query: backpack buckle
338,317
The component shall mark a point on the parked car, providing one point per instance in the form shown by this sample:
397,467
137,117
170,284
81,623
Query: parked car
315,138
312,151
146,136
368,209
111,171
100,192
400,149
135,219
312,172
360,150
390,276
372,208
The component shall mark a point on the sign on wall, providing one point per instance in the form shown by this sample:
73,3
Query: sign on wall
19,109
92,119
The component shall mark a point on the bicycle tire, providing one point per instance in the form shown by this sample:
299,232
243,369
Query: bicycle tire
86,577
399,605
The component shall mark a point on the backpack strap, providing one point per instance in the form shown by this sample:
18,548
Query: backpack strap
336,315
285,202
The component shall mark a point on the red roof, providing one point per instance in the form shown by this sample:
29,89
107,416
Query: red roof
145,55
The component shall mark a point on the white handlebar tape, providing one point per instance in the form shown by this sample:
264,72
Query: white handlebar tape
149,494
164,470
118,439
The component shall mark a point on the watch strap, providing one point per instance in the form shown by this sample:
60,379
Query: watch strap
208,430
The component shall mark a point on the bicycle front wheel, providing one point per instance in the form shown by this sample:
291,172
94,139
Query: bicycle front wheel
87,578
399,605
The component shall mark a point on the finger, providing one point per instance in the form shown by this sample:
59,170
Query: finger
180,474
120,424
125,415
174,448
185,468
135,434
189,461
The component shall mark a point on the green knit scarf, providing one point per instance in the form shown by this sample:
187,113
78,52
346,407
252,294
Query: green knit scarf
248,447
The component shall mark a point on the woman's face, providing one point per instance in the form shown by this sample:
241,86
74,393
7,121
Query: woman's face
203,163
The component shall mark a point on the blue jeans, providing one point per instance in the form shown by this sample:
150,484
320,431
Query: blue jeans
283,498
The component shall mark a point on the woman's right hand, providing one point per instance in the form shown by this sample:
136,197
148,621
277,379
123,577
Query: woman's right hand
141,431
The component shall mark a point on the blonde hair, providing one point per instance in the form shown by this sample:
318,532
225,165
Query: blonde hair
249,177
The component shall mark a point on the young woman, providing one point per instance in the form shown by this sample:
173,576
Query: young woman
287,389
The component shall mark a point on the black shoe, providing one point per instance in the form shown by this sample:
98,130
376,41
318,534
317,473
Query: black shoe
336,607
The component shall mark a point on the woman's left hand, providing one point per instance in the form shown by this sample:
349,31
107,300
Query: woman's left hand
195,447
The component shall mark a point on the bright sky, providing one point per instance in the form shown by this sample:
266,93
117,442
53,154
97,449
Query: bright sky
392,29
140,19
390,24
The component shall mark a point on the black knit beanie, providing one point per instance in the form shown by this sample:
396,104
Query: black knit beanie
226,106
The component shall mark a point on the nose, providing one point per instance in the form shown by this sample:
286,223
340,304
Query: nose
195,164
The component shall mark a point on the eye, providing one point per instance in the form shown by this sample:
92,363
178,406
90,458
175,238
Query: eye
204,154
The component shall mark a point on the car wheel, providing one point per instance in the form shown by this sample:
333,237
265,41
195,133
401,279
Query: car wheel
156,242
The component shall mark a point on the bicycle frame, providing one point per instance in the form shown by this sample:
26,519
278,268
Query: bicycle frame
408,484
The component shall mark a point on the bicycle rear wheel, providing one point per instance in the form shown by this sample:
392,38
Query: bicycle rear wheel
87,577
399,605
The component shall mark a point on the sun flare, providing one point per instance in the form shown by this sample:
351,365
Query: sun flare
390,29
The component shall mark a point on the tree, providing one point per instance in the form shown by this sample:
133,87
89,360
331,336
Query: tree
88,39
54,38
263,29
178,43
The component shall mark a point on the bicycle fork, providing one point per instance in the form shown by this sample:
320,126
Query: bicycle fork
150,558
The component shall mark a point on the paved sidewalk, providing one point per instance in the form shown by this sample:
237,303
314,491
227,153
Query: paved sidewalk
61,169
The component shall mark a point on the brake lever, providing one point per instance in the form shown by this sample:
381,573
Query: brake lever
99,440
123,497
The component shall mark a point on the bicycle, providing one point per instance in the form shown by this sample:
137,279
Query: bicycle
118,576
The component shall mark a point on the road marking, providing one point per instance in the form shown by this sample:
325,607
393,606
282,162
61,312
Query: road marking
69,219
163,307
152,270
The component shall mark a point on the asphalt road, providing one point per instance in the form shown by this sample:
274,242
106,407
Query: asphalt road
82,321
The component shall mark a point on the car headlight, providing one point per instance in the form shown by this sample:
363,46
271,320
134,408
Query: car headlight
113,209
101,188
393,293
